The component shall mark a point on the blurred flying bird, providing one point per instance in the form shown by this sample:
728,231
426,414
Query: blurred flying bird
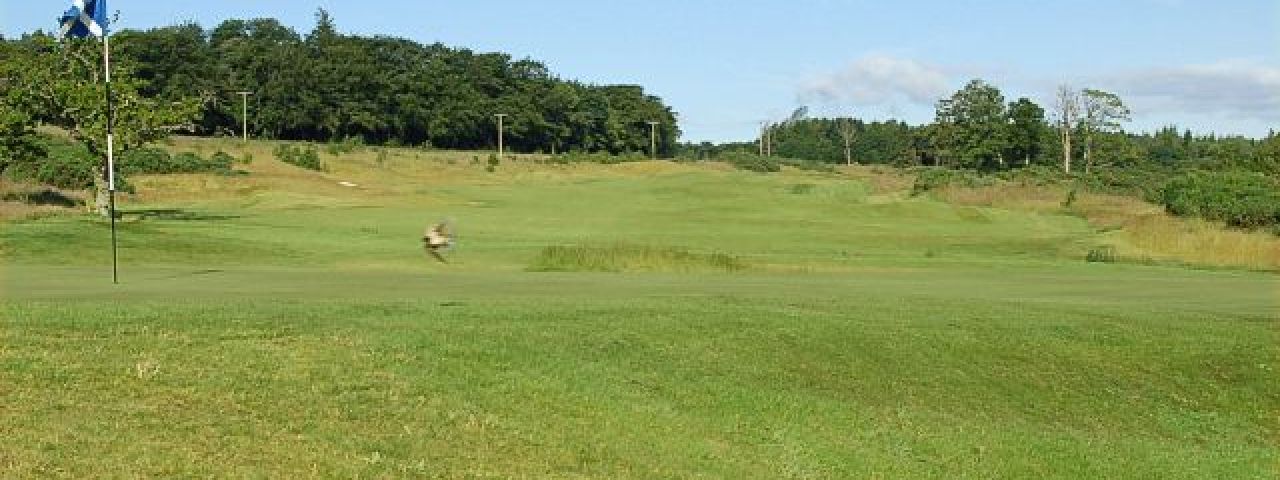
436,238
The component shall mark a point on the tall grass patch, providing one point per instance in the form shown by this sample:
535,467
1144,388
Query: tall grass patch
1164,238
627,257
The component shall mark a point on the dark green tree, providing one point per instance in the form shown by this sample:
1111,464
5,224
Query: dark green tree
64,83
975,126
1026,131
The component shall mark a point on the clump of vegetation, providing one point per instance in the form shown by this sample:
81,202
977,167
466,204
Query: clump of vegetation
1102,254
752,162
347,145
625,257
493,163
601,158
810,165
65,166
1071,198
70,166
931,179
1146,184
156,161
305,157
1240,199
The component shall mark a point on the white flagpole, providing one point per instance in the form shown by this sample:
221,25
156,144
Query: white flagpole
111,165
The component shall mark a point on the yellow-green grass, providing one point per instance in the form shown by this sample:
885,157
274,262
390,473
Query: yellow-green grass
1139,231
279,324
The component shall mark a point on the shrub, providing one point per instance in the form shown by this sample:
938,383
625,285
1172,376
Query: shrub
601,158
1103,254
155,161
347,145
299,156
1240,199
59,163
809,165
930,179
222,161
753,162
65,171
1146,184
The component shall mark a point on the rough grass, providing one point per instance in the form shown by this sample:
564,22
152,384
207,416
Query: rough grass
1137,230
25,201
626,257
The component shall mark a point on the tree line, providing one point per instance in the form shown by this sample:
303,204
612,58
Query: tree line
976,128
327,86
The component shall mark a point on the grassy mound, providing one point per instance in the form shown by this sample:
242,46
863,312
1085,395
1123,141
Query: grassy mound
625,257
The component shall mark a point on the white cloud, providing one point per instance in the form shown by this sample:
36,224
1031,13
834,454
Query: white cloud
879,80
1245,89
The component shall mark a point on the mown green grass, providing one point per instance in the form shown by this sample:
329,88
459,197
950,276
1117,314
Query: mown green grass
258,335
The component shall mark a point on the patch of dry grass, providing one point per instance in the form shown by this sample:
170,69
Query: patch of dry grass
882,180
1162,237
1138,230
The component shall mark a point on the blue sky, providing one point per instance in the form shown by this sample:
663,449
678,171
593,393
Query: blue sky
727,65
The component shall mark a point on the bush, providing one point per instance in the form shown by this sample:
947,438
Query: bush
347,145
753,162
809,165
65,171
222,161
54,162
930,179
299,156
154,161
1104,254
1240,199
598,157
1145,184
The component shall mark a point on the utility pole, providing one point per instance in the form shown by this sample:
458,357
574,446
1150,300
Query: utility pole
653,139
764,127
244,112
500,117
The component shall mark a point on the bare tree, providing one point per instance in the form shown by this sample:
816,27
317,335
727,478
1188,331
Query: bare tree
847,132
1103,112
1067,111
764,137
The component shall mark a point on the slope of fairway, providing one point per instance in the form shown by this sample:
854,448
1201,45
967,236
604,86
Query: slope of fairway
280,324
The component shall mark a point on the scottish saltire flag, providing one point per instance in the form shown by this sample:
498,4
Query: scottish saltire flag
84,18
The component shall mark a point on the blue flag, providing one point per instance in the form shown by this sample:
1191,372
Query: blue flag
84,18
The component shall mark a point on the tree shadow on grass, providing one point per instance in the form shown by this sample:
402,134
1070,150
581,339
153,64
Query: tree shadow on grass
173,214
44,197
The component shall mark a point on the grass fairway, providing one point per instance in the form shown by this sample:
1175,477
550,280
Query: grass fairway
278,324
